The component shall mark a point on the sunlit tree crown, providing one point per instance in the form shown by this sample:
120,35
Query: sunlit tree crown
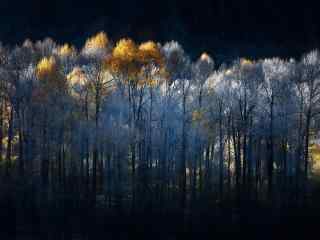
245,62
150,52
46,67
76,77
50,77
99,41
205,57
124,58
66,50
126,50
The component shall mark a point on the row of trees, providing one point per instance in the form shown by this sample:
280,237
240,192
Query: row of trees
132,126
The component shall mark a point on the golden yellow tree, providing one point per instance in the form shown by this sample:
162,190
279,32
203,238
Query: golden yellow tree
66,50
51,80
52,89
124,60
96,44
245,62
45,67
152,63
132,61
150,52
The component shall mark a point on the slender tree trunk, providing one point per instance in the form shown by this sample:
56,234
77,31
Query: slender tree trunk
236,147
229,164
1,130
306,148
87,147
244,157
221,158
95,148
299,153
119,185
207,168
10,138
183,157
21,141
45,159
258,167
249,158
271,146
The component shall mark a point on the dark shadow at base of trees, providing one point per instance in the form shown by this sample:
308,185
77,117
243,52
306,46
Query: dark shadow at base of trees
221,220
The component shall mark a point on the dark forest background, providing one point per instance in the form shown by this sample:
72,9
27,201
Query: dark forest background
97,139
229,28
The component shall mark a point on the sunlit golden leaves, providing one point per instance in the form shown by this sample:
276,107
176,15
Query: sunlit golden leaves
152,71
66,50
99,41
125,50
315,154
124,59
141,65
245,62
150,52
46,67
50,78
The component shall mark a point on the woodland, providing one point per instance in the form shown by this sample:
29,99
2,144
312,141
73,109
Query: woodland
127,140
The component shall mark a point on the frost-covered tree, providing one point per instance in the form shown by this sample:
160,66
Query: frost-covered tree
124,128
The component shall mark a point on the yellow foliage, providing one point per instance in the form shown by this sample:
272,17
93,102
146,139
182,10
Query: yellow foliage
66,50
120,66
152,82
315,154
124,59
147,82
150,52
132,60
98,41
113,64
46,67
125,50
50,77
148,46
245,62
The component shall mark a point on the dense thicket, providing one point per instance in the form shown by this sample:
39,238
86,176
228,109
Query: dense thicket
127,129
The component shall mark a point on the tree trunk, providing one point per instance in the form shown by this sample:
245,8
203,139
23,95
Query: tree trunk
183,158
21,141
270,148
221,159
306,148
1,130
